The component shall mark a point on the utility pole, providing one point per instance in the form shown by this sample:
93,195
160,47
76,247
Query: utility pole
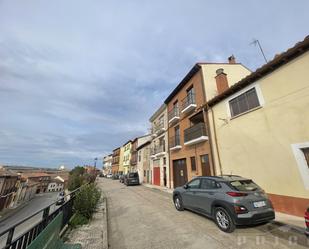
256,42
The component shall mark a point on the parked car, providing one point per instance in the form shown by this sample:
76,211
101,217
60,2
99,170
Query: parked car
307,221
121,178
229,200
60,198
115,177
109,175
131,179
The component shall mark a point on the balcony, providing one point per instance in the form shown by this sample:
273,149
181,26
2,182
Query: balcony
158,129
195,134
188,103
174,143
158,150
173,115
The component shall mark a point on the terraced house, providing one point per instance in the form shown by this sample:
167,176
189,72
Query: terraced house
159,157
115,160
189,145
127,157
260,129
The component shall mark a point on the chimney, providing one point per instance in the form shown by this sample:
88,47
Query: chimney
232,59
221,81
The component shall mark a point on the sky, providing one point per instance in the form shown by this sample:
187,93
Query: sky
80,78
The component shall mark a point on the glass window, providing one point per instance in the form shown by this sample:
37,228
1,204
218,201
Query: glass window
306,154
209,184
194,183
193,164
245,185
244,102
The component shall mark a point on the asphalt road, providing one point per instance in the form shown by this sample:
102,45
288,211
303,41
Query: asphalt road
12,218
141,217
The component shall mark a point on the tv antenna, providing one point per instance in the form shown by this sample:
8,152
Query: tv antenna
256,42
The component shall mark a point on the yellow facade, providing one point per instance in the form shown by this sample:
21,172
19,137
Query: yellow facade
263,144
235,72
121,168
126,157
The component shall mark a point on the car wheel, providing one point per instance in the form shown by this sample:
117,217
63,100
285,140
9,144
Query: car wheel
178,203
224,220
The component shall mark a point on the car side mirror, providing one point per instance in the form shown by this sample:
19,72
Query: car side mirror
185,186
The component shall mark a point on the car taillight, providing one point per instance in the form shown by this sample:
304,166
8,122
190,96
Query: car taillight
236,194
240,209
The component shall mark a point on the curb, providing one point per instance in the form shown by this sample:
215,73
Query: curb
105,228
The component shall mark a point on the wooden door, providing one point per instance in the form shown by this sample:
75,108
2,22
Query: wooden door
180,172
205,165
156,176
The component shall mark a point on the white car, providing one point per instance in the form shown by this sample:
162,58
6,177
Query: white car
109,176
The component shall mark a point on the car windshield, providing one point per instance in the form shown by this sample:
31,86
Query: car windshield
244,185
132,175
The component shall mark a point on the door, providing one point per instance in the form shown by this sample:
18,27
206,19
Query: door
156,176
189,197
205,165
205,195
180,172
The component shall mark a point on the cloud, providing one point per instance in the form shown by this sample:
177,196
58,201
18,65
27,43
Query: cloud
78,78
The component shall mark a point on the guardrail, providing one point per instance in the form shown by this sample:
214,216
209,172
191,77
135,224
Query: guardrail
23,240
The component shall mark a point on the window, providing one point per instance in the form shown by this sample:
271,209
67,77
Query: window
244,185
194,183
244,102
193,164
139,156
144,173
306,154
164,160
209,184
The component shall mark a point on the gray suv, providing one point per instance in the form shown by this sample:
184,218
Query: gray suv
228,199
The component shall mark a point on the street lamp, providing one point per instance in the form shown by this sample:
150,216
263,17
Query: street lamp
95,162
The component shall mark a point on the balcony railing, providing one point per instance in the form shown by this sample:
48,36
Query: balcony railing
188,103
158,149
173,115
174,143
195,134
158,128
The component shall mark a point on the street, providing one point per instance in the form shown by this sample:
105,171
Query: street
141,217
39,202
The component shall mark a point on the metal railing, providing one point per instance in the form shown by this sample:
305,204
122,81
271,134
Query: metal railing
173,113
25,238
195,131
188,100
158,149
158,127
174,141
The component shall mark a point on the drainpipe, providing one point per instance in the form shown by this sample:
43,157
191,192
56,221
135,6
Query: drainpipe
216,140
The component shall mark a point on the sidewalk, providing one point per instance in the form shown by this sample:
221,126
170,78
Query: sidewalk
93,235
290,221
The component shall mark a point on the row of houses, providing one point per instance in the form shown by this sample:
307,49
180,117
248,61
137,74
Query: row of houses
17,187
224,119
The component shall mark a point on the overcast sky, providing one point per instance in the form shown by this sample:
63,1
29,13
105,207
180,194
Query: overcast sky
79,78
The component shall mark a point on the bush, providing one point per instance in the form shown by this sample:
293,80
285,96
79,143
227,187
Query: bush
78,220
86,200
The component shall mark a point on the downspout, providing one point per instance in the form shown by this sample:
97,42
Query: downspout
207,125
216,140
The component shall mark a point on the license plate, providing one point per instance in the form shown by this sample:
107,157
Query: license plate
258,204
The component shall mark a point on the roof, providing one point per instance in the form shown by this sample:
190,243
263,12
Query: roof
35,174
8,173
116,149
278,61
190,74
143,145
157,112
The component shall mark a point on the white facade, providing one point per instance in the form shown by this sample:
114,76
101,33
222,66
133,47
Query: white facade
107,164
159,157
143,147
56,185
